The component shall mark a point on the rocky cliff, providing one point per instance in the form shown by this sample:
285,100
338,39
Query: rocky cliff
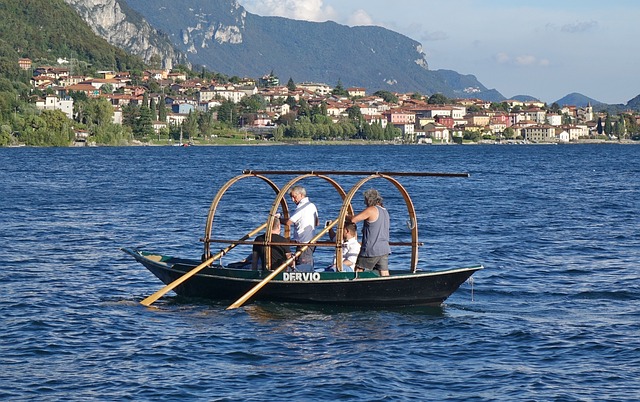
121,26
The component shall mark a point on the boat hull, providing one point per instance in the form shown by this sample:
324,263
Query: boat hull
401,288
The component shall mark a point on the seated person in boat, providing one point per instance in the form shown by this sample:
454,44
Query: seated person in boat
279,254
375,249
350,247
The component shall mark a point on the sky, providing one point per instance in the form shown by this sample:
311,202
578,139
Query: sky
542,48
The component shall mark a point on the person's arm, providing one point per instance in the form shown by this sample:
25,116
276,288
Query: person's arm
351,255
369,213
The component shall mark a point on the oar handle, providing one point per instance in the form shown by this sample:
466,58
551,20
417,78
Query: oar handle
149,300
273,274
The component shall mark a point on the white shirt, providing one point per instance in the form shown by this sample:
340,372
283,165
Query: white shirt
350,251
304,220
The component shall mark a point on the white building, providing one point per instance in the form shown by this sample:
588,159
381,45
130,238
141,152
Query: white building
52,102
554,119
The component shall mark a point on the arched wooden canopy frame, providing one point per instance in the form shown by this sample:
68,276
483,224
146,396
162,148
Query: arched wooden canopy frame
345,210
410,209
218,197
279,201
280,198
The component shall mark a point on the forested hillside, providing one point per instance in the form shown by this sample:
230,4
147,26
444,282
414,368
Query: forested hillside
45,30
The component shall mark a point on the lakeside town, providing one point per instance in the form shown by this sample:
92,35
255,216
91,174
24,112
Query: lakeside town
181,107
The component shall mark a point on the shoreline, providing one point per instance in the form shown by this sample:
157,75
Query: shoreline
343,143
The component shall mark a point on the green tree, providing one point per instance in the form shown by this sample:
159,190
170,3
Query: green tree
339,90
390,132
620,127
438,99
509,133
303,108
144,125
253,103
355,116
110,134
387,96
599,127
154,109
291,101
190,126
608,125
106,88
97,111
162,109
6,137
227,113
291,86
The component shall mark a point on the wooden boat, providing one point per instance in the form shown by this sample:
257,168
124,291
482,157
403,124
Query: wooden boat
403,287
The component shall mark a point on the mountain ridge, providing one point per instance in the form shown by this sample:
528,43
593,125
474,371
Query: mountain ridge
222,36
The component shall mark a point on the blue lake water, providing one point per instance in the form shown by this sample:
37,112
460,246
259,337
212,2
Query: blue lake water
554,316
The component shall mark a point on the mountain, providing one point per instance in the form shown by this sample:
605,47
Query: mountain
223,37
578,100
634,103
121,26
524,98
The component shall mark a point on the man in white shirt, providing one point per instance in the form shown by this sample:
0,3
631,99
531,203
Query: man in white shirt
304,221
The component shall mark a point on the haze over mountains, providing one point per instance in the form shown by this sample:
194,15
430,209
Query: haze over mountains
222,36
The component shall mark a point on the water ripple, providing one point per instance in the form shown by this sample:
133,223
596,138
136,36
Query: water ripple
554,316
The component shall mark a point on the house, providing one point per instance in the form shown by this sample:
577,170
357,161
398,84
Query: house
361,92
88,89
376,119
576,131
336,108
176,119
437,132
98,83
106,74
159,125
446,121
554,119
562,135
229,93
52,102
397,117
278,110
536,114
182,108
408,131
42,81
24,63
71,80
177,76
540,133
478,119
155,74
320,89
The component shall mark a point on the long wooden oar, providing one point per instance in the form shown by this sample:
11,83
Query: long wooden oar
149,300
273,274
